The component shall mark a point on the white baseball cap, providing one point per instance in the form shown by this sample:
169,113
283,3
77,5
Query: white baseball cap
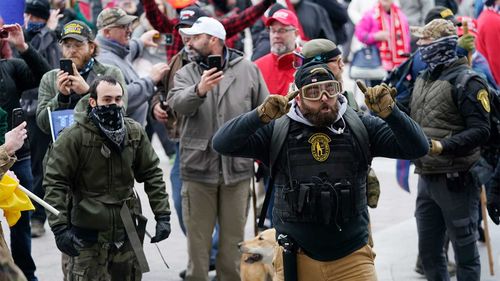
206,25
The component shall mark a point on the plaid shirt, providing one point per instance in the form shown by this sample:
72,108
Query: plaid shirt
233,24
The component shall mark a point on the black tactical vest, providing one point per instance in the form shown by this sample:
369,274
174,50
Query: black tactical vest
321,177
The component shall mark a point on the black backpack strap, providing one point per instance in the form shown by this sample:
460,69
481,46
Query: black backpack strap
360,133
280,132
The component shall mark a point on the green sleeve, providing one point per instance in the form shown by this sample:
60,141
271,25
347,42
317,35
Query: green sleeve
47,97
147,170
60,168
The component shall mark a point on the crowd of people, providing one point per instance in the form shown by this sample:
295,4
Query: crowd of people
223,103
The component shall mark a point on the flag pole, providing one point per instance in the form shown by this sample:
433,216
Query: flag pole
487,231
39,201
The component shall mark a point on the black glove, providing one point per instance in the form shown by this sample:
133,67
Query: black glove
493,204
66,240
162,228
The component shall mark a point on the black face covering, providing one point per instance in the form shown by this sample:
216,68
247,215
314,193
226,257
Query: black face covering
109,120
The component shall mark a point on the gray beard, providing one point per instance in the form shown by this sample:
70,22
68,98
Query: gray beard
280,50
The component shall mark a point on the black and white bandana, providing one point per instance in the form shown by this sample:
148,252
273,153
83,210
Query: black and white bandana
441,51
109,119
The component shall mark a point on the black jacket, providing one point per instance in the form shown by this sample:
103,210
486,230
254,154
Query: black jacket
16,76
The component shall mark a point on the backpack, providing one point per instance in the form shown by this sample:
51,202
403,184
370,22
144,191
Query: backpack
402,79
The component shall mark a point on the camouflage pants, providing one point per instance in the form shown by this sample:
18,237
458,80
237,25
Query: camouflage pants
105,262
8,269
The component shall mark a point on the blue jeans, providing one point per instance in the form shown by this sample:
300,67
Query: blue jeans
20,233
39,143
176,182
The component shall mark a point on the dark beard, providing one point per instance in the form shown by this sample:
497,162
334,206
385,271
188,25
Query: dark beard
200,55
318,118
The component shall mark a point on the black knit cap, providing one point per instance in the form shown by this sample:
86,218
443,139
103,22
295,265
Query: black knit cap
38,8
440,12
312,72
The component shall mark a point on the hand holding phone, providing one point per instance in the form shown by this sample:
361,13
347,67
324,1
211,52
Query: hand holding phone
214,61
17,119
4,33
5,29
66,65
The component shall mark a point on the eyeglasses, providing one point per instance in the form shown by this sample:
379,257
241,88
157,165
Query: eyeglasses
315,91
280,31
76,45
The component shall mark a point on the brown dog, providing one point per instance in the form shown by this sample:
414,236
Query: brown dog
257,257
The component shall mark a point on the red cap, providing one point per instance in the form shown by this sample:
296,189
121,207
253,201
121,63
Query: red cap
285,17
471,24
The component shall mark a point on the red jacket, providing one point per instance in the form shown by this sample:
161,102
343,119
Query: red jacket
488,39
278,72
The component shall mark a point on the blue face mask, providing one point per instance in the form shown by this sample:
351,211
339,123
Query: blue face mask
35,26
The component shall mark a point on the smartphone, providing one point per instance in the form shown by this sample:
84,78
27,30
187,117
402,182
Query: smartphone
215,61
4,33
66,65
18,118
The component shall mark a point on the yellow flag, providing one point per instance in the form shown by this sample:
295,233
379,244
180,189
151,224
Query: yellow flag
13,200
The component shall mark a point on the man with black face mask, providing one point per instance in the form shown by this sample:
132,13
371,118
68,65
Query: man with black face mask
94,163
456,123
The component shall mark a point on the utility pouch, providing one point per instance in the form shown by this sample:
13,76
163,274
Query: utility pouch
291,195
344,188
304,190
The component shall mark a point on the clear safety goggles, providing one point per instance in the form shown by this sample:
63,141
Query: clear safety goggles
315,91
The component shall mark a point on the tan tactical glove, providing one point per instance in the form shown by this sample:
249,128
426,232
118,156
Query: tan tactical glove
378,99
372,189
435,147
275,106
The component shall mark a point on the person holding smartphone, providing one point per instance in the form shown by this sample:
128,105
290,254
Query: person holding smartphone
20,74
61,89
215,188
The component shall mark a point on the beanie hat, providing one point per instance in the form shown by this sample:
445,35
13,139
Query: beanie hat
38,8
311,73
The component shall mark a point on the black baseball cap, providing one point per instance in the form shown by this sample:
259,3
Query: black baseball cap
189,15
312,72
440,12
77,30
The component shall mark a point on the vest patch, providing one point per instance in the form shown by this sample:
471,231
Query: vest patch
320,146
482,96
